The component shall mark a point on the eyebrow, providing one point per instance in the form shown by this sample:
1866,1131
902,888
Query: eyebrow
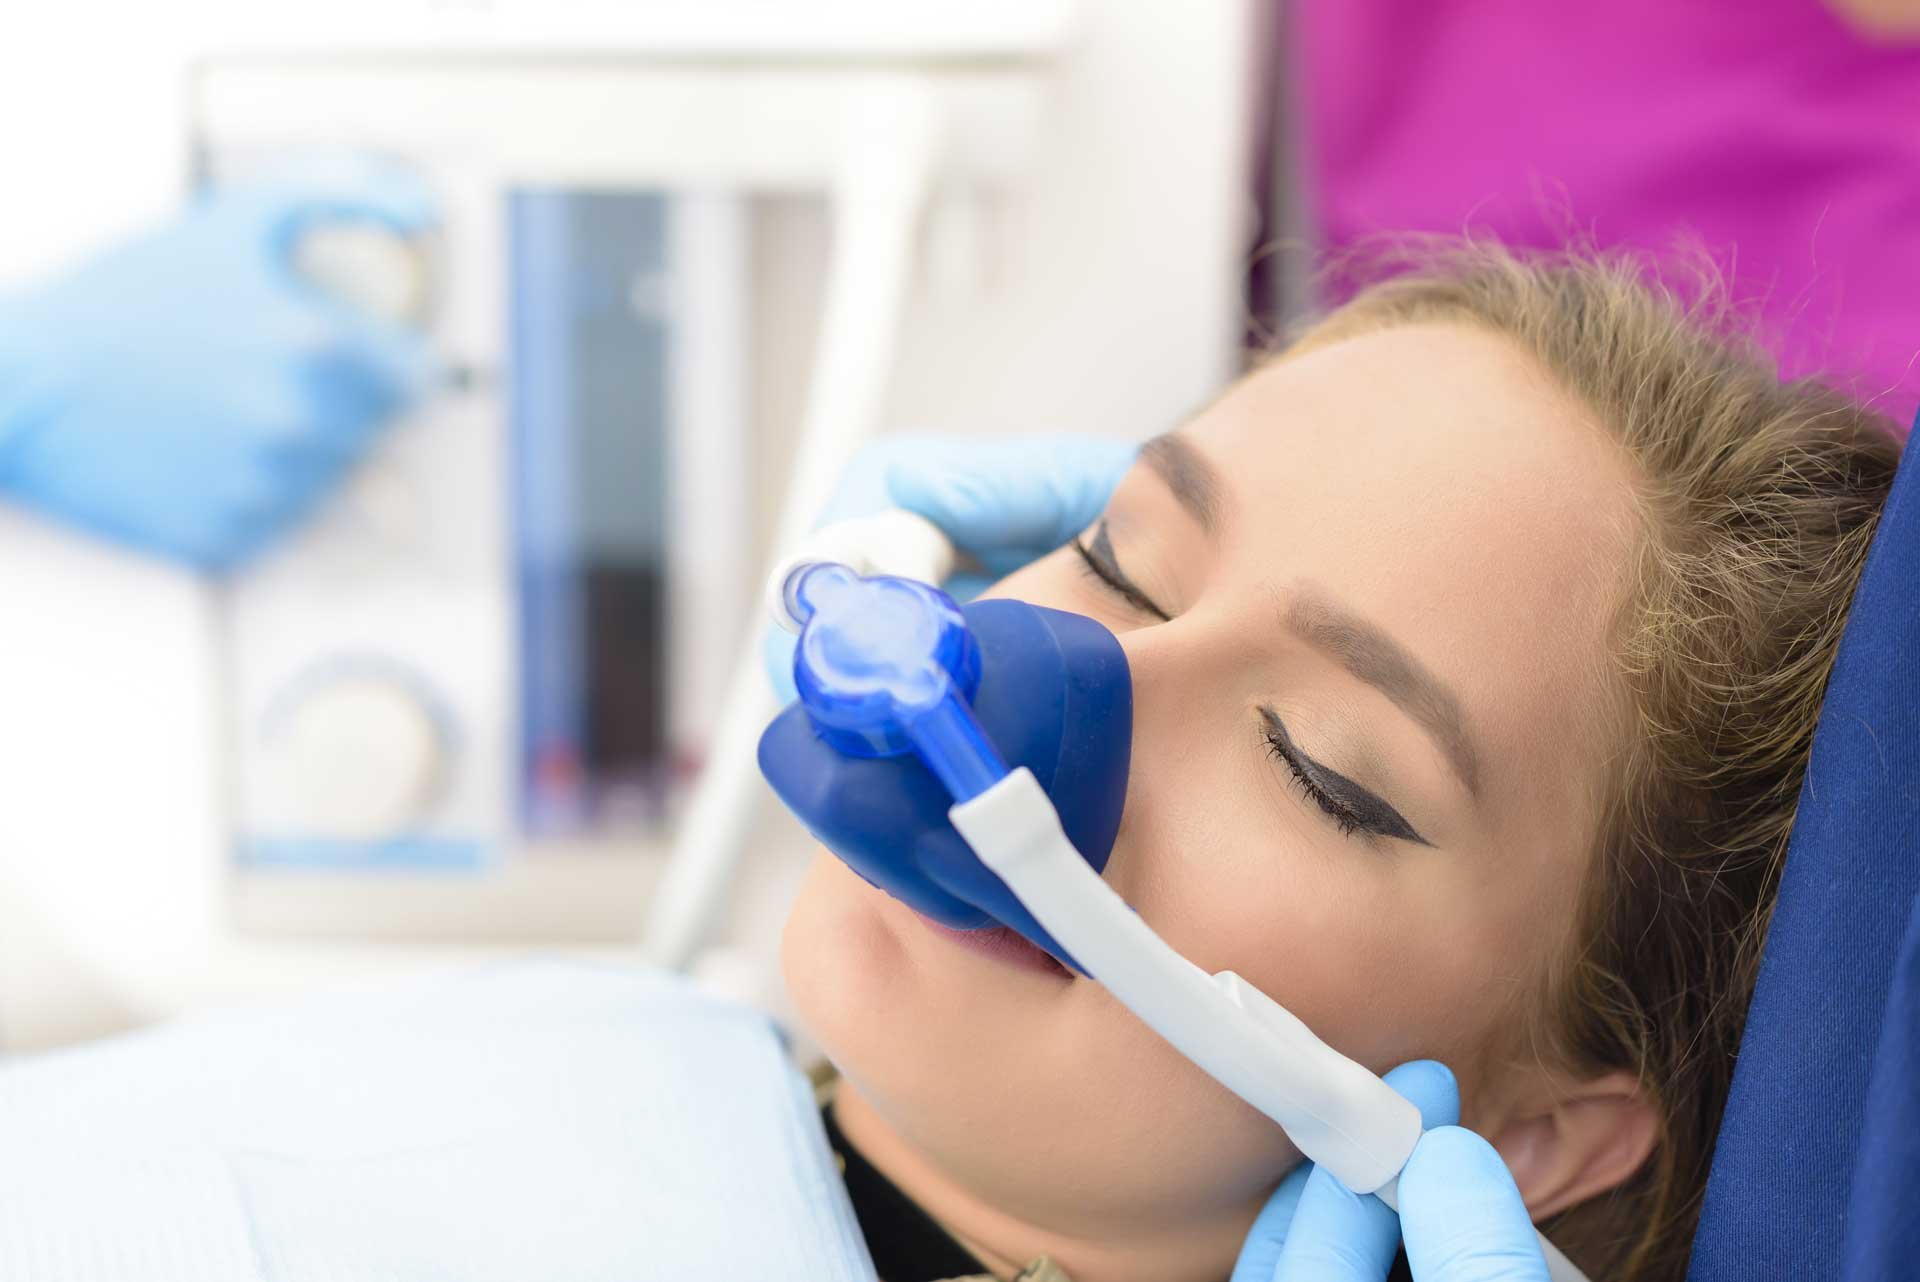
1369,653
1192,479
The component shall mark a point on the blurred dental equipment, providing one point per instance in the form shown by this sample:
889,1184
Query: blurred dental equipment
913,714
197,392
462,706
471,703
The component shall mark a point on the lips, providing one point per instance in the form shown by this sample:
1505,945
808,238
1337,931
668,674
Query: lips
1002,944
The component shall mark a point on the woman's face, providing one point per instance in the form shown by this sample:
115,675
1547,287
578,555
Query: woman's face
1364,597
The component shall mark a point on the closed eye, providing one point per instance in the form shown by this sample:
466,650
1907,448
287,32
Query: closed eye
1098,560
1351,806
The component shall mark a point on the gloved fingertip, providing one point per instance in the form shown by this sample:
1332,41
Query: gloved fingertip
1450,1155
416,366
1278,1213
910,486
1430,1086
1260,1252
396,364
1103,460
942,482
1461,1214
222,552
1009,493
1337,1235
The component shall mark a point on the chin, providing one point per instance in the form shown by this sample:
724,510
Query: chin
901,1012
974,1065
866,998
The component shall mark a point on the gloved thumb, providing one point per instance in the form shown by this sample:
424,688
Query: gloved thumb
1461,1216
1343,1237
1020,495
396,358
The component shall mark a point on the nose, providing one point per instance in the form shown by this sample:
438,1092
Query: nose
1162,718
1176,726
1150,652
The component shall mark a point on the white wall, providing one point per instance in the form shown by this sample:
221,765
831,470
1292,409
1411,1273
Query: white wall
1108,301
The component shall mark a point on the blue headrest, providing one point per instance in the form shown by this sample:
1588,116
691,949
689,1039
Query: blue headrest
1883,1218
1808,1105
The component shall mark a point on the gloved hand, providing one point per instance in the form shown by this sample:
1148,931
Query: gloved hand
188,393
1003,501
1460,1215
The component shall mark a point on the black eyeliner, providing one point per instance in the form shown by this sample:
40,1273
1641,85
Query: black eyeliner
1105,566
1353,804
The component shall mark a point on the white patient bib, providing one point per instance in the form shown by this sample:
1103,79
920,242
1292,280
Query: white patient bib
533,1122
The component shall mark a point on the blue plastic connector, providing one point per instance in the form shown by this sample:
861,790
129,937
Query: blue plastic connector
908,704
887,666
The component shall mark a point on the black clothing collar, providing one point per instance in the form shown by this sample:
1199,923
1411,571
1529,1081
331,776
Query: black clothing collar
906,1244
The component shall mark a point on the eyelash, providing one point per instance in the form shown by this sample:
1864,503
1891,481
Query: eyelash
1343,818
1125,591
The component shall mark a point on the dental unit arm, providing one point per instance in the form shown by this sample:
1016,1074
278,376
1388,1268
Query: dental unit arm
893,757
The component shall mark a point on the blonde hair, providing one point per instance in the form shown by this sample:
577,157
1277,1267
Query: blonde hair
1758,501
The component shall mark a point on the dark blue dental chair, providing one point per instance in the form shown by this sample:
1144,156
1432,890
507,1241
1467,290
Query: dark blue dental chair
1817,1173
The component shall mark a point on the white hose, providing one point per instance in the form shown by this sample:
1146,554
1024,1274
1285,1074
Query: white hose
1336,1112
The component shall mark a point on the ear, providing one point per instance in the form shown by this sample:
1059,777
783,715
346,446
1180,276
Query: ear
1579,1144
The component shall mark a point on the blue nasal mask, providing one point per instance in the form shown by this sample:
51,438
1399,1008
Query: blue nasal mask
909,703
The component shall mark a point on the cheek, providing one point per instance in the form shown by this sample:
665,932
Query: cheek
879,1002
835,954
979,1078
1383,954
1387,955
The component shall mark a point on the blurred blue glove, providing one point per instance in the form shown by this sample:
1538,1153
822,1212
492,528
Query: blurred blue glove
188,393
1460,1215
1003,501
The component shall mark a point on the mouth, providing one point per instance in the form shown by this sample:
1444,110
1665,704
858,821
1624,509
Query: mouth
1002,944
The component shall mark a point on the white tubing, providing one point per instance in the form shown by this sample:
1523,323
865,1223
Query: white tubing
1337,1113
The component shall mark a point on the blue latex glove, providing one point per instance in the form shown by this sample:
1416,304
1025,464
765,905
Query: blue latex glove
1460,1215
188,393
1003,501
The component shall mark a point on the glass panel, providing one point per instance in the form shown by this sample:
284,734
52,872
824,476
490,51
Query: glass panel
588,466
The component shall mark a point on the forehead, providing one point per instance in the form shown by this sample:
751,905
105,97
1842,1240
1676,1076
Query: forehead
1438,481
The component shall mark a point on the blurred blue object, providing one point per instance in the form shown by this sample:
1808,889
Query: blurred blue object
189,393
1004,501
1814,1173
551,1120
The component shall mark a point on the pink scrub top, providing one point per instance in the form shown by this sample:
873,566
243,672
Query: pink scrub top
1766,132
